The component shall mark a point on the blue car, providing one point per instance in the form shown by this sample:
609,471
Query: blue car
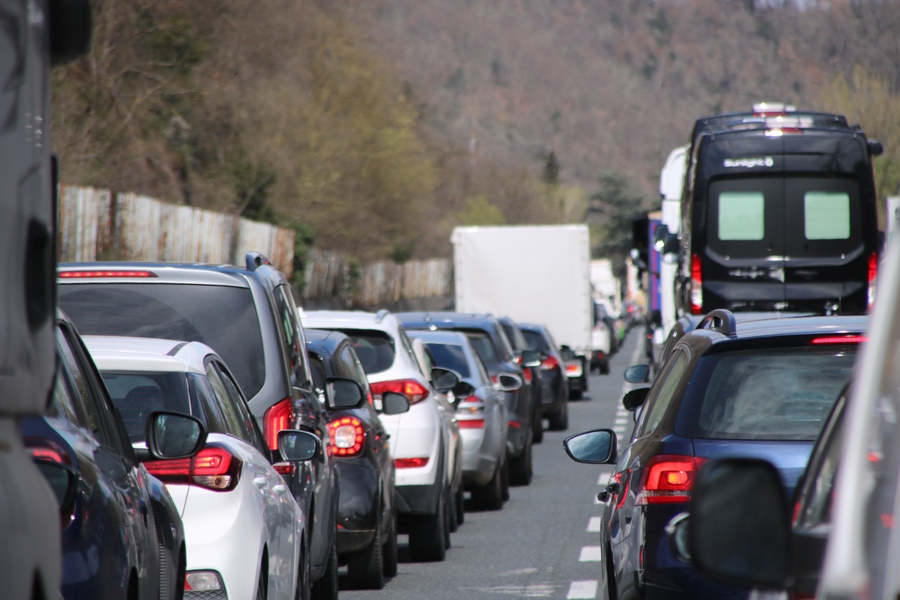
122,536
760,389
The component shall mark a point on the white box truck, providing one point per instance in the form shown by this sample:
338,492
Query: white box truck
533,274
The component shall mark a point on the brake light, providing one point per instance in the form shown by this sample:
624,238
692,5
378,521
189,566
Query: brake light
105,274
873,276
573,368
838,339
285,468
347,436
667,479
550,363
277,418
214,468
48,450
411,388
696,285
527,373
471,424
472,399
410,463
515,425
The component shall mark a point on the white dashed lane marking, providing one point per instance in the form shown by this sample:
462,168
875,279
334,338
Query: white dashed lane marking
591,554
603,478
594,525
582,589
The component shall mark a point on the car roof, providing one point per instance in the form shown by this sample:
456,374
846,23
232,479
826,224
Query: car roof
532,327
342,316
453,318
439,337
114,353
781,327
319,340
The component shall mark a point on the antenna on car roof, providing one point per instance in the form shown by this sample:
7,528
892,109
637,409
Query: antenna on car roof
255,260
720,320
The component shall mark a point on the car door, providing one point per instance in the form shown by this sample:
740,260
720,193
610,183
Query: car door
114,457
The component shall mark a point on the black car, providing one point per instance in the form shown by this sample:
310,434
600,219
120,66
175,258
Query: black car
248,316
532,378
491,344
551,374
120,529
367,517
779,212
760,389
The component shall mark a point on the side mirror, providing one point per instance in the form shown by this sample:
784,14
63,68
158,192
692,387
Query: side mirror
671,249
174,435
344,393
63,481
393,403
531,358
444,380
297,445
635,398
70,29
660,234
638,373
508,383
876,148
740,527
597,447
463,390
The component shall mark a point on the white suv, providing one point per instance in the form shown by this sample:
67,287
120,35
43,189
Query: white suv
427,467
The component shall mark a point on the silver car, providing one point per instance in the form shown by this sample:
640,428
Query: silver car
482,414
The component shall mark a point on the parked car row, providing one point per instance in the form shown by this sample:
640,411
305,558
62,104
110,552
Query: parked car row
207,439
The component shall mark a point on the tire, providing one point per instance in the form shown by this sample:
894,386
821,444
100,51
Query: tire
389,552
504,479
427,537
304,591
537,427
448,518
452,520
490,495
460,505
365,569
521,469
326,588
262,588
560,421
575,394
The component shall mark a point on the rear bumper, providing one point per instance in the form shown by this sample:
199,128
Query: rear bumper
417,499
357,505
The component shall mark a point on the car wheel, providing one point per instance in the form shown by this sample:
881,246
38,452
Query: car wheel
460,505
365,569
490,495
504,478
262,588
448,518
520,469
452,521
575,394
560,421
426,536
537,427
304,590
326,588
389,552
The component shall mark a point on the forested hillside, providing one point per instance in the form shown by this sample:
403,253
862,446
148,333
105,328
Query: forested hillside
376,126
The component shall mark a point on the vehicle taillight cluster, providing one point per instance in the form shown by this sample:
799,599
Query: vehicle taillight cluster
550,363
471,423
278,418
696,285
214,468
105,274
668,479
347,436
873,276
411,388
411,463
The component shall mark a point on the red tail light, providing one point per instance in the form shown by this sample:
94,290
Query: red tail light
573,368
277,418
873,276
214,468
550,363
347,436
42,449
515,425
410,463
838,339
471,424
667,479
413,390
472,399
696,285
106,274
527,373
285,468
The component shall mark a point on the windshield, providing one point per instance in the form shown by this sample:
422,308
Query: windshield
783,394
224,318
536,341
375,349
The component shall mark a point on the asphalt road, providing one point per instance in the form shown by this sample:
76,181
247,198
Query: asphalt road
541,545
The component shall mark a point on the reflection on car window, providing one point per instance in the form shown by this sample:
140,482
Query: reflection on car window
536,341
483,346
662,394
450,356
817,494
374,348
138,394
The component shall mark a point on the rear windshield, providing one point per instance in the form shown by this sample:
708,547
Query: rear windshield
137,394
514,335
224,318
375,349
536,341
484,347
783,394
450,356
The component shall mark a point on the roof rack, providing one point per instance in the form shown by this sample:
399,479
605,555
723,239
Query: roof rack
720,320
381,314
254,260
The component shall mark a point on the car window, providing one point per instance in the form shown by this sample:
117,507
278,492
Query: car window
222,317
317,368
407,345
514,335
662,394
82,393
536,341
483,346
239,404
291,338
203,395
235,422
63,406
817,493
374,348
138,394
774,394
450,356
505,348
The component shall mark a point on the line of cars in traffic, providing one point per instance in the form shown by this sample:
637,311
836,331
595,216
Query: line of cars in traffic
208,439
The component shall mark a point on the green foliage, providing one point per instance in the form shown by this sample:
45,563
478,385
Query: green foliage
551,169
479,211
252,184
610,212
